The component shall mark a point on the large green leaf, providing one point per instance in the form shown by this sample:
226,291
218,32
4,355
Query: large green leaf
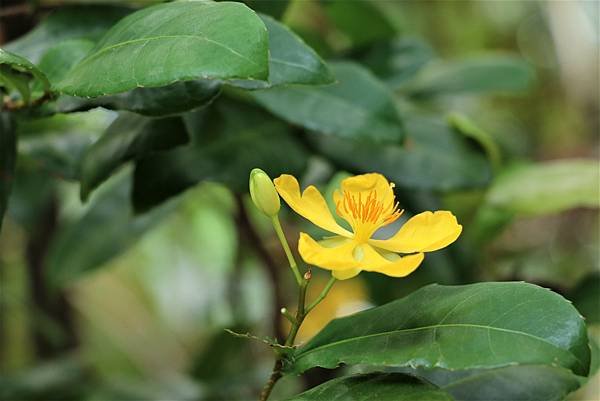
171,42
484,325
225,150
77,22
547,187
129,137
105,230
291,61
432,157
523,383
486,73
171,99
357,106
374,387
8,155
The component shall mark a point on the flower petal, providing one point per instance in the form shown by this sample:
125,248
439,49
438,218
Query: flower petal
424,232
332,254
345,274
309,205
362,185
389,263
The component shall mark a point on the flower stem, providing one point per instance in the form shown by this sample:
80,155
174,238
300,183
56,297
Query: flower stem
299,318
286,249
322,295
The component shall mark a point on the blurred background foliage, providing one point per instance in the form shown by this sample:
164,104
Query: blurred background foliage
126,296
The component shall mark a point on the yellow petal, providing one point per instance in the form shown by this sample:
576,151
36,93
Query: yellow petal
345,274
424,232
309,205
363,185
389,263
332,254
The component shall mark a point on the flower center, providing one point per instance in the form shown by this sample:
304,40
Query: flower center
366,215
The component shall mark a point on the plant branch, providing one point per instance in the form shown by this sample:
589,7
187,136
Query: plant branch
322,295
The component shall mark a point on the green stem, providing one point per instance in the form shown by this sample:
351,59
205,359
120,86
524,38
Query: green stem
322,295
286,249
278,367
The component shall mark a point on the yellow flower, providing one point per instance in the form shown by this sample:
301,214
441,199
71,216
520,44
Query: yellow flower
367,203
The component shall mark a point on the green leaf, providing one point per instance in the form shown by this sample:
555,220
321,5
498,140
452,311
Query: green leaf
166,100
129,137
523,383
547,187
19,65
374,386
360,21
398,60
482,74
358,106
484,325
8,155
468,128
226,150
432,157
106,229
88,22
586,297
172,42
291,61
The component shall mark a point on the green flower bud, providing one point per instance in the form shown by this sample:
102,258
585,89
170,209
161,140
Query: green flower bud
263,193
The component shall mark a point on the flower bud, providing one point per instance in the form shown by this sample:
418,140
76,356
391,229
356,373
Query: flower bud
263,193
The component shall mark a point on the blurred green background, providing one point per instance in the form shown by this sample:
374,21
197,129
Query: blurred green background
148,322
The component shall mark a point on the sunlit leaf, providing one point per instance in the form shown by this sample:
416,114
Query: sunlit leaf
171,42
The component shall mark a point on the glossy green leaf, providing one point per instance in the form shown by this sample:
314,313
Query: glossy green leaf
129,137
547,187
486,73
166,100
357,106
484,325
374,387
8,155
523,383
172,42
432,157
291,61
105,230
225,150
88,22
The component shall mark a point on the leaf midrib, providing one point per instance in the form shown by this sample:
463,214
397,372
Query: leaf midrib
159,37
436,326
